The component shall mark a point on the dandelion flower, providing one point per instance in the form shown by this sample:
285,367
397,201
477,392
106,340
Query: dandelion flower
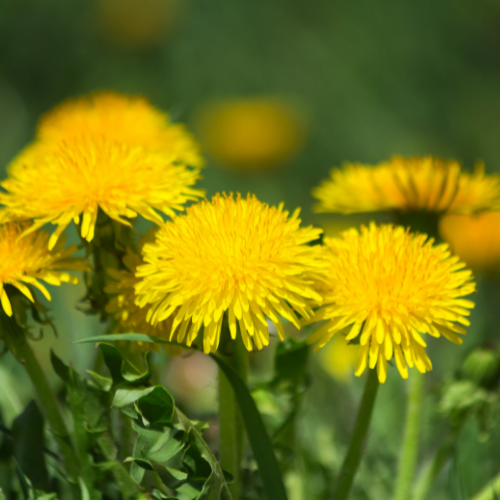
235,255
81,175
406,184
252,134
474,238
24,263
122,119
388,287
129,317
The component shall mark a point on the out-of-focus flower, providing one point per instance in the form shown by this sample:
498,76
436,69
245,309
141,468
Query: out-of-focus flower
136,23
235,255
252,134
129,317
387,287
474,238
25,262
406,184
105,151
338,358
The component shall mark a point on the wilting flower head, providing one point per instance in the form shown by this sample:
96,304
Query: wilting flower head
389,287
24,263
404,184
129,317
79,176
474,238
235,255
252,134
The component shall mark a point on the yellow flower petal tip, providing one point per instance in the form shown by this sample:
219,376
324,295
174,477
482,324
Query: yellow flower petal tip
252,134
474,238
130,318
388,287
26,262
404,184
231,256
107,152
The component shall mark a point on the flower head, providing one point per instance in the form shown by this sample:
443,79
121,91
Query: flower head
235,255
121,119
388,287
338,358
80,175
403,184
129,317
24,263
474,238
252,134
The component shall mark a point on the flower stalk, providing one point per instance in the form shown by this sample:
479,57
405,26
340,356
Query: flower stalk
358,440
17,342
409,455
231,425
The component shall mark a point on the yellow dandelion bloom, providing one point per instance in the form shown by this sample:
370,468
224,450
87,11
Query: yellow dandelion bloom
119,118
81,175
131,318
388,287
404,184
474,238
24,263
235,255
251,134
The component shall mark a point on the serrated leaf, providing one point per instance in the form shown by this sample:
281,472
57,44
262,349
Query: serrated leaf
157,407
103,383
121,365
126,396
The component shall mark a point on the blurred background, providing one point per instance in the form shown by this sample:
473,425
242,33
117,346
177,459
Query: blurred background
278,92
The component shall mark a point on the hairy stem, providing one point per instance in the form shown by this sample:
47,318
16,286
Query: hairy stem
355,451
409,454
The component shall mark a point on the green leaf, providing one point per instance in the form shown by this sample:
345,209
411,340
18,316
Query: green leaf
257,435
194,429
28,444
125,483
123,365
157,407
131,337
103,383
125,396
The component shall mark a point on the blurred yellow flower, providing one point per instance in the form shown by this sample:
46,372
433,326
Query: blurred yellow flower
235,255
338,358
474,238
129,317
119,118
27,261
106,151
252,134
136,23
403,184
388,287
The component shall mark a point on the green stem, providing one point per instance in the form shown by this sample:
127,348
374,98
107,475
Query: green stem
232,429
353,457
491,491
18,344
409,455
434,467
